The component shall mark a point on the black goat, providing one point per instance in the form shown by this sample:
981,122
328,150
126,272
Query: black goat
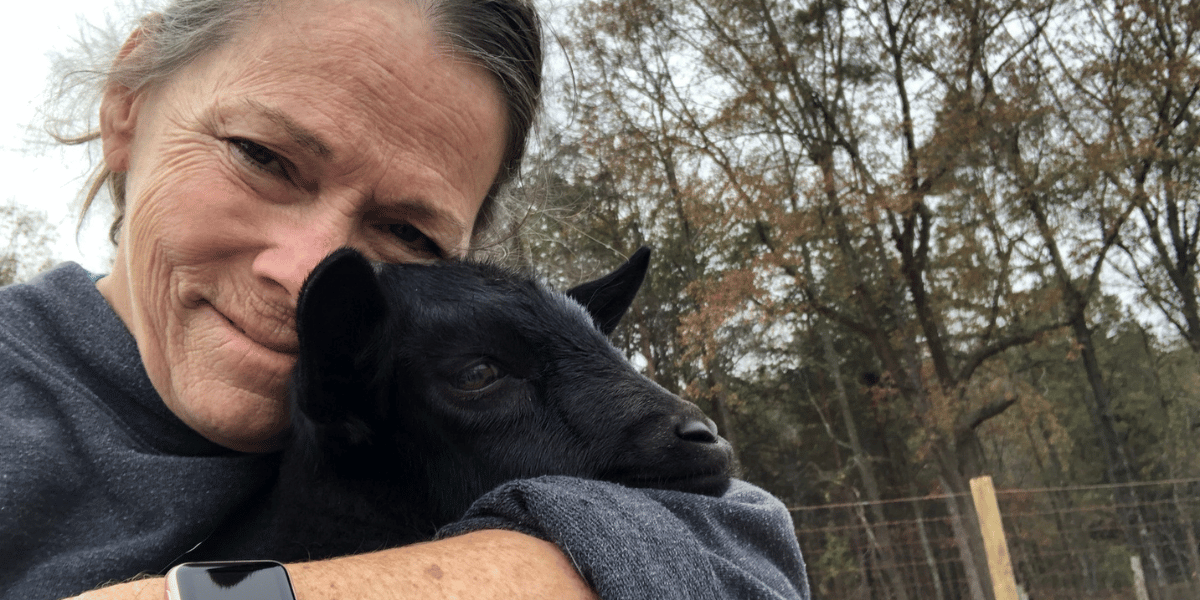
420,388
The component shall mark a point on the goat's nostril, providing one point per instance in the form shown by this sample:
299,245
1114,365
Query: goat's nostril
701,432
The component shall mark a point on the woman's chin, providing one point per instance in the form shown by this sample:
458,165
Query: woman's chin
253,425
243,411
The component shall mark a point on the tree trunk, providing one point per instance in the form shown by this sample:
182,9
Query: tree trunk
876,526
931,561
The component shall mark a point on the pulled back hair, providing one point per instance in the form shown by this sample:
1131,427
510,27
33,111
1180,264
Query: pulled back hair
502,36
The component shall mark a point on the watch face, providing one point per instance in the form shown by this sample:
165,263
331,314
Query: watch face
255,580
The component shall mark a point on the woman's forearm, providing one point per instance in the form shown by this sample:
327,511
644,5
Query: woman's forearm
482,565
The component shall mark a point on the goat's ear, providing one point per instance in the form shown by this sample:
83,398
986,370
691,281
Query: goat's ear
340,309
607,298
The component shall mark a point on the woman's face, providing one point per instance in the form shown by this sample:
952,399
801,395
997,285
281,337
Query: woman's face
324,124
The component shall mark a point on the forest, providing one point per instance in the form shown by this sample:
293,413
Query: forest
897,243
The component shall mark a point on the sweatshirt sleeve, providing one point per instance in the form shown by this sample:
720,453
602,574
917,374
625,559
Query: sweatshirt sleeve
655,544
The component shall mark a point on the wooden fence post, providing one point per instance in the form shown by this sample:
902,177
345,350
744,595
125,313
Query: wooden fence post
1004,584
1139,578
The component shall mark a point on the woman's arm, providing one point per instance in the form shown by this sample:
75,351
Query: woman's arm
486,564
482,565
624,543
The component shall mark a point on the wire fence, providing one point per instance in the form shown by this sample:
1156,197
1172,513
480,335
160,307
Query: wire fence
1135,542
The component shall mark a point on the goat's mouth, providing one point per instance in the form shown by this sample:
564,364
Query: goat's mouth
707,483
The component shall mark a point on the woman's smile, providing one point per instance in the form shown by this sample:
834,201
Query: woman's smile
280,338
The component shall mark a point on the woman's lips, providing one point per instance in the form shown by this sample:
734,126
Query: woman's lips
282,339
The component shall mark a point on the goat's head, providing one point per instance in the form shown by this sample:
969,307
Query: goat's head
461,376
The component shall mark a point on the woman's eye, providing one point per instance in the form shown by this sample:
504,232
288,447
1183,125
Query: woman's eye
477,377
417,241
260,156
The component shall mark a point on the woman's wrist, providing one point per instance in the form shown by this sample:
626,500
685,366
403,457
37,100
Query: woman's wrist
144,588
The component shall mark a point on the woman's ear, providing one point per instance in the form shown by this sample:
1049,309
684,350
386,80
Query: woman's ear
119,110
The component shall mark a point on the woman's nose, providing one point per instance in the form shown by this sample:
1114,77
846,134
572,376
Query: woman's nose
293,252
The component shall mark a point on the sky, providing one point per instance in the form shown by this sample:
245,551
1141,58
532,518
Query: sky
41,177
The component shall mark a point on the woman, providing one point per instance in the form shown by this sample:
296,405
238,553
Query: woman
242,142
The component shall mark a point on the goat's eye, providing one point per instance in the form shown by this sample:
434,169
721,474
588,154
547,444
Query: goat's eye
478,377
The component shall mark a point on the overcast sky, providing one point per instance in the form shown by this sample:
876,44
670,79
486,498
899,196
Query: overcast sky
45,179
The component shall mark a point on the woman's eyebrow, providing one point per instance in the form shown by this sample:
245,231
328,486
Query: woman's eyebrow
303,137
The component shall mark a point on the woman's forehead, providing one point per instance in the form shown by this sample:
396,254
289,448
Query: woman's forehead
369,61
329,33
350,79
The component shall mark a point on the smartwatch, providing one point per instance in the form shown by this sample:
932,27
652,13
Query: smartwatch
234,580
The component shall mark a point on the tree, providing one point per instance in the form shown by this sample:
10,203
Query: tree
26,237
1142,83
908,193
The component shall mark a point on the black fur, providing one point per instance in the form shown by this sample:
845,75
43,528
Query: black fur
420,388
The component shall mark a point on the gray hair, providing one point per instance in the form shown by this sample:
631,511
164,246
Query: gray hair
502,36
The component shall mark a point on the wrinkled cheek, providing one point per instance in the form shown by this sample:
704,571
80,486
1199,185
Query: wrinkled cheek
224,394
167,355
247,373
160,235
145,244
